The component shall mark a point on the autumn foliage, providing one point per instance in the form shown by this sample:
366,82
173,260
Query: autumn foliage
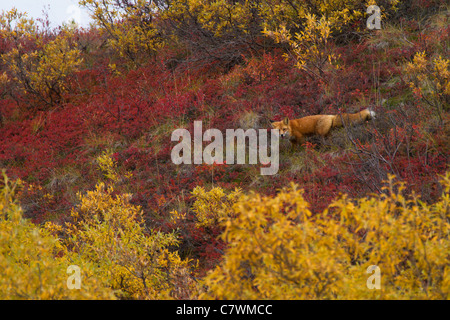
86,116
279,250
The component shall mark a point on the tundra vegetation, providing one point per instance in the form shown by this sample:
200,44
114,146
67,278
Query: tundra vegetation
86,117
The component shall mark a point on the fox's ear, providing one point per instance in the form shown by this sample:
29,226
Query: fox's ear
286,121
272,122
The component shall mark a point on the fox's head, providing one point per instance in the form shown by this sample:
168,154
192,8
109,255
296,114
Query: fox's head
282,126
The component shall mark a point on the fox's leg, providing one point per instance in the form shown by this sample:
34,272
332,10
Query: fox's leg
323,128
296,142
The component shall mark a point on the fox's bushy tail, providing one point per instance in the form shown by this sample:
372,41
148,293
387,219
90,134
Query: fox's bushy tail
346,119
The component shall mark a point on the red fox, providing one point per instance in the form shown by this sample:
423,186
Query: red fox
297,129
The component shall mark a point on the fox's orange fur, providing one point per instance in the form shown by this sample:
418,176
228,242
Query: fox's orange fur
297,129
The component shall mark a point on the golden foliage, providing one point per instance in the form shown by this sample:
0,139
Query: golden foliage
430,80
43,69
218,17
137,263
136,27
108,166
30,260
210,207
106,238
316,22
222,16
310,47
130,26
278,250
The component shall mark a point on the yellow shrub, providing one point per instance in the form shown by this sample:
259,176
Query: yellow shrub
42,70
317,21
310,47
130,26
430,80
212,206
221,16
108,166
30,261
137,263
278,250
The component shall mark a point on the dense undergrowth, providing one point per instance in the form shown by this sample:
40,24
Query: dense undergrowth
86,117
